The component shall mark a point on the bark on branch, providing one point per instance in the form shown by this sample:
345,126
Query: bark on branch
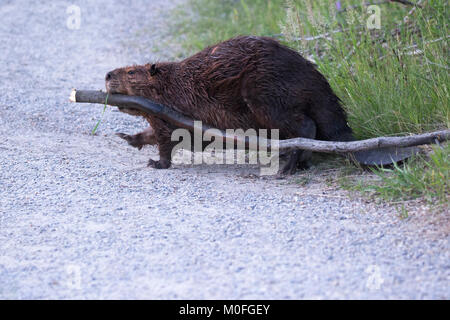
179,120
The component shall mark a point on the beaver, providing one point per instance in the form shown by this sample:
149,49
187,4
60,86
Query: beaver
246,82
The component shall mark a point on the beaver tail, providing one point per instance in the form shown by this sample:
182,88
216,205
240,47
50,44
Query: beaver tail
332,125
330,117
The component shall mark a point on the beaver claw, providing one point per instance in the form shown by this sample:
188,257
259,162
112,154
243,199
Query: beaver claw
160,164
133,140
294,161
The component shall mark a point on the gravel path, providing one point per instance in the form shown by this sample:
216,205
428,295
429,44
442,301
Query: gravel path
81,216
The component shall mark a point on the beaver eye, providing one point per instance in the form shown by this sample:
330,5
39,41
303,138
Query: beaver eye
131,72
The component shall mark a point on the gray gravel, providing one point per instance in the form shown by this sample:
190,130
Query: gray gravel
81,216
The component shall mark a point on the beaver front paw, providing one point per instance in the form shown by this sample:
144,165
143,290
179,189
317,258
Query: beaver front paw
160,164
133,140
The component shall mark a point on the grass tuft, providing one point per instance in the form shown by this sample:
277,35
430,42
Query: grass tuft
426,177
101,118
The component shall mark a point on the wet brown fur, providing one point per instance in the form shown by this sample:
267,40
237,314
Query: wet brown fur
245,82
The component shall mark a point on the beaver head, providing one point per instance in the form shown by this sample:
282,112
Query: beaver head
132,81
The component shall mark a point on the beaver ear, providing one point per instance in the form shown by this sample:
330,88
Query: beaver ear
153,70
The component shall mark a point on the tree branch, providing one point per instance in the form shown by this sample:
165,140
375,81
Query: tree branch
148,107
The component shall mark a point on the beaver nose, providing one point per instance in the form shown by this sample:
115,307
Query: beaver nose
108,76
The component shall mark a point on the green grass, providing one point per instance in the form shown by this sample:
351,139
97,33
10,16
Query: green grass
94,130
205,22
393,80
422,177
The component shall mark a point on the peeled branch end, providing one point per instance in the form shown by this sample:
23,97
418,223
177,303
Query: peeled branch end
73,96
383,156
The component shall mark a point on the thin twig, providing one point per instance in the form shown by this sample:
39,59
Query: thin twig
427,42
436,64
366,4
416,51
352,52
312,38
418,5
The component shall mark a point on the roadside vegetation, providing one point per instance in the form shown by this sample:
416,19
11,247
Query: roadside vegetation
391,72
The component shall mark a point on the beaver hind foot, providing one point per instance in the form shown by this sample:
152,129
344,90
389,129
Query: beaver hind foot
160,164
383,156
